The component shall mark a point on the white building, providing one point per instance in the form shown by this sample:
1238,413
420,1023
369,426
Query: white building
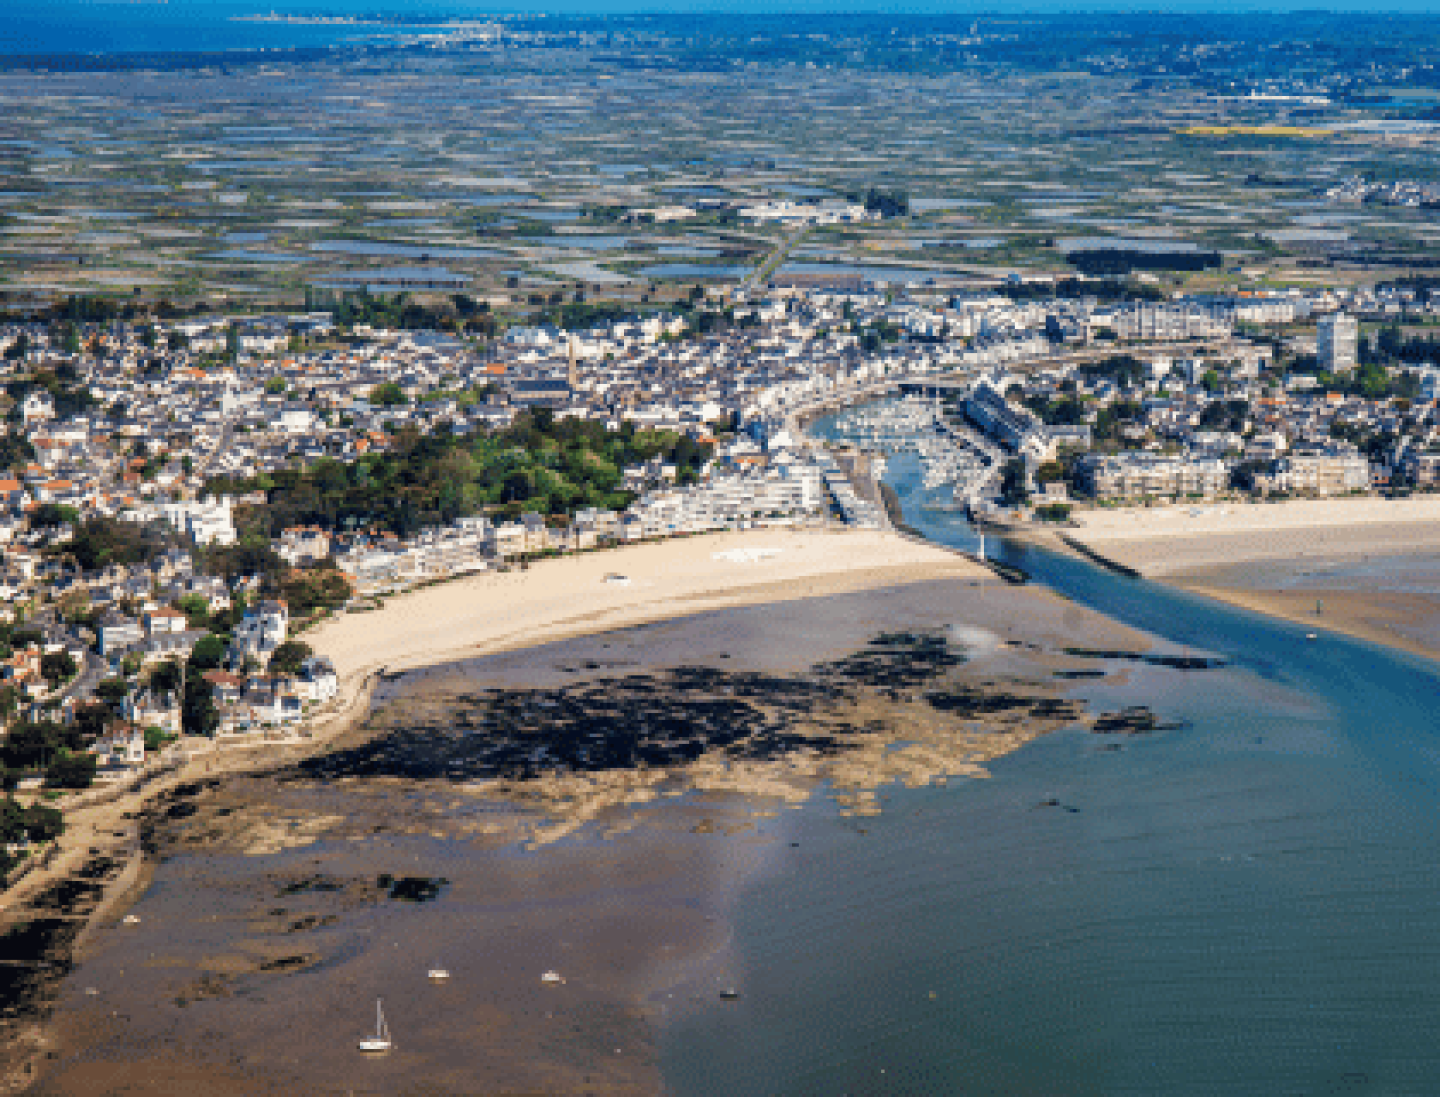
206,522
318,681
1335,342
262,630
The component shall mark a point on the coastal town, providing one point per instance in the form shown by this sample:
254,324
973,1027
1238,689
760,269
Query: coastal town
529,541
153,592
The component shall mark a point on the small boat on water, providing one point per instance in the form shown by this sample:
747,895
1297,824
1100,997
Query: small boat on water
437,974
1311,636
381,1040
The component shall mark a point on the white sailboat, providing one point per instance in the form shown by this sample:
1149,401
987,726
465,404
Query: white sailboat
381,1040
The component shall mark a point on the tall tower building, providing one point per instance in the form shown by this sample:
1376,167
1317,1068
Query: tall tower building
1335,342
571,375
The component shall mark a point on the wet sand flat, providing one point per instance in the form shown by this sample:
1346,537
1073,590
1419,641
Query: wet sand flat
1387,599
285,903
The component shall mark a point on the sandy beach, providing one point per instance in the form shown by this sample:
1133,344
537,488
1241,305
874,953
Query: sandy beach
555,599
1160,541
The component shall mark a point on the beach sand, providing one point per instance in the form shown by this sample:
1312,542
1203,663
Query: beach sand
1159,541
573,595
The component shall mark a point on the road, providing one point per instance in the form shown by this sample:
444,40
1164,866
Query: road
772,261
84,683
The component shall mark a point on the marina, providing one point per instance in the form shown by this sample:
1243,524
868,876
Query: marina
950,453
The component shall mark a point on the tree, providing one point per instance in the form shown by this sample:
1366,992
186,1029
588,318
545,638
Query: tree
71,771
208,654
113,691
155,738
1053,512
91,721
48,515
288,657
42,823
1012,483
1050,472
15,450
57,667
388,394
196,608
166,678
38,823
198,714
26,746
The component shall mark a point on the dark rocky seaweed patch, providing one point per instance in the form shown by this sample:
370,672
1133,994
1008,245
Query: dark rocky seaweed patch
1135,720
1102,653
1184,662
417,889
35,953
1174,662
661,719
288,963
313,883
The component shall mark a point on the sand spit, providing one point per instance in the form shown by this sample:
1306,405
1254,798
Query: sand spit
1407,621
1164,540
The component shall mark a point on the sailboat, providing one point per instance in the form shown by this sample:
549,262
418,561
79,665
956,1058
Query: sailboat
381,1040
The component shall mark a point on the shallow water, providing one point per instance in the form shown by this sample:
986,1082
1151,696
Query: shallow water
1247,906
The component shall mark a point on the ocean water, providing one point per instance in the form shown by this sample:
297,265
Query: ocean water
116,26
1245,906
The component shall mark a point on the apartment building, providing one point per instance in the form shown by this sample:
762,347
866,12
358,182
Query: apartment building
1150,475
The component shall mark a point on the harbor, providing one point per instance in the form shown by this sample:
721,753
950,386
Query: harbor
959,467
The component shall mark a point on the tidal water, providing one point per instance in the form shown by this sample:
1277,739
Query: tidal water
1248,905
